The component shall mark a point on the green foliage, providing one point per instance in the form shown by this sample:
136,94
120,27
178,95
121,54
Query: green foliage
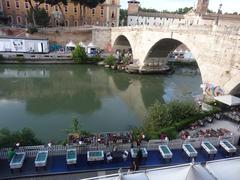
41,17
148,10
56,2
169,118
89,3
178,11
171,132
94,59
1,57
183,10
75,126
110,60
79,55
180,110
32,30
123,17
25,137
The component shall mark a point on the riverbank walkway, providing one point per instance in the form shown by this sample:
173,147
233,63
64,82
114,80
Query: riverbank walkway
57,164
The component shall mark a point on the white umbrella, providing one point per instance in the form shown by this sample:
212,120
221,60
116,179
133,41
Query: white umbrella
70,44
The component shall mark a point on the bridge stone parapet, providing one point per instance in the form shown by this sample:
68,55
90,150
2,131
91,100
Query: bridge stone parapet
215,48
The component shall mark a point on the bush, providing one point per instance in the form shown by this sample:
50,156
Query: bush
25,137
170,118
79,55
1,57
181,110
32,30
94,59
110,60
171,132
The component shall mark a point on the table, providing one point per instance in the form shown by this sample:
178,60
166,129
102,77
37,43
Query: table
228,147
17,161
134,152
71,156
189,150
95,156
41,159
209,148
165,152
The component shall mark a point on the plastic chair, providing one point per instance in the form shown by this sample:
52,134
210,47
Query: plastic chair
125,155
109,157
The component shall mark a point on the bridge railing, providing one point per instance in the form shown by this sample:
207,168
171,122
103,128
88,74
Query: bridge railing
206,29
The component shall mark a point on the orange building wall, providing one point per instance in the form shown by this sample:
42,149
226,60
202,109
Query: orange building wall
18,15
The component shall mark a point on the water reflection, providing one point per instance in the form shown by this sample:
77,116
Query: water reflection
13,73
103,100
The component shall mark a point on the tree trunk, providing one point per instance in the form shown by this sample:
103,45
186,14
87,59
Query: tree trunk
63,15
33,13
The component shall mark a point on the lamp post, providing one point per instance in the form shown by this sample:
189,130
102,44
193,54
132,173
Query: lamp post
218,14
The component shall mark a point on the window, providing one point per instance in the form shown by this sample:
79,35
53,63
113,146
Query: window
113,2
56,8
93,11
102,11
19,19
75,23
17,4
26,4
66,23
113,15
46,7
8,4
75,9
66,9
10,19
57,22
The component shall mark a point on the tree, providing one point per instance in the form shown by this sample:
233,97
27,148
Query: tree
58,3
87,3
79,55
41,17
34,8
123,17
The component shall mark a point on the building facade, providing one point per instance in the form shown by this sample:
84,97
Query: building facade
106,14
196,16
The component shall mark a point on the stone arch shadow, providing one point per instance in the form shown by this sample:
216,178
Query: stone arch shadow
121,42
162,47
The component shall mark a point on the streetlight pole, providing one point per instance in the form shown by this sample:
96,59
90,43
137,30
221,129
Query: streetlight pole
218,14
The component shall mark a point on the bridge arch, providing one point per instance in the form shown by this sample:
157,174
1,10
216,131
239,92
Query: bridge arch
216,49
122,43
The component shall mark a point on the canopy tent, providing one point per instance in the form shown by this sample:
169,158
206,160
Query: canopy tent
82,44
229,100
91,48
182,172
225,169
91,45
70,44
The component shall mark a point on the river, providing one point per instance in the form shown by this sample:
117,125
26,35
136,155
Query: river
45,98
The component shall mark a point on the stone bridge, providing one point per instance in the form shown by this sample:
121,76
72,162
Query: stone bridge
216,50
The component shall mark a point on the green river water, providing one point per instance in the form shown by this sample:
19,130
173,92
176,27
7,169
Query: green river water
45,98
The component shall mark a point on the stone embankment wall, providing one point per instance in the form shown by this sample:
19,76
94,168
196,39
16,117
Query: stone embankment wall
62,35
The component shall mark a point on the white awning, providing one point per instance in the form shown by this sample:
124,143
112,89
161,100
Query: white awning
229,100
225,169
70,44
82,44
91,45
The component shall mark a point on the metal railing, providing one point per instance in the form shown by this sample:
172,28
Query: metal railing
59,150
